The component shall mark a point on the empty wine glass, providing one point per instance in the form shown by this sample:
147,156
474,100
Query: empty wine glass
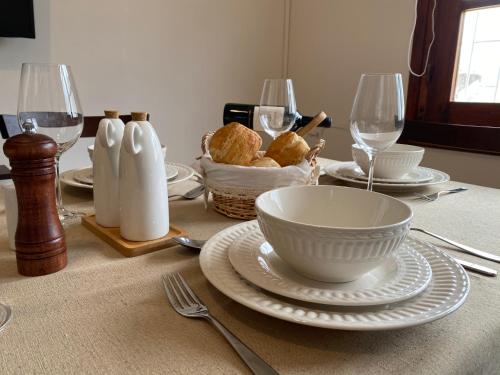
5,315
277,109
377,116
48,100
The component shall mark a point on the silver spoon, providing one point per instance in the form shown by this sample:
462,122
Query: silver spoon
191,194
188,242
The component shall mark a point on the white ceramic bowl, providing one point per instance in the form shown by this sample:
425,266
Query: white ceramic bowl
393,163
90,150
332,233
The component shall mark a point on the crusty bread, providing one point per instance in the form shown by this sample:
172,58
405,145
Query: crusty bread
288,149
234,144
265,162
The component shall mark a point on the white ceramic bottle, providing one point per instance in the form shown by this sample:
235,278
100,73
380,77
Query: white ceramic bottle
105,162
143,183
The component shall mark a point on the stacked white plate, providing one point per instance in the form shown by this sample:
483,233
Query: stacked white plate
418,285
82,178
419,177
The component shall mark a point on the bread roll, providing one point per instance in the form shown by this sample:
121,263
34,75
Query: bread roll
258,155
234,144
265,162
288,149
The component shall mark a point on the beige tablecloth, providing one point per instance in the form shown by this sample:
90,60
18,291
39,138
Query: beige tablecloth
107,314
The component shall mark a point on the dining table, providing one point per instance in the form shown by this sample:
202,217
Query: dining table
108,314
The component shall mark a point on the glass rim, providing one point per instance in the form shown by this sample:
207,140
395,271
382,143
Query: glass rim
380,74
277,79
44,64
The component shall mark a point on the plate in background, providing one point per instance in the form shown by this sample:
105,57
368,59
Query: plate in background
419,174
73,177
337,170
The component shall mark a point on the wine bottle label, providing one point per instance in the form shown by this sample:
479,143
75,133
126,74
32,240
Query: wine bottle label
276,115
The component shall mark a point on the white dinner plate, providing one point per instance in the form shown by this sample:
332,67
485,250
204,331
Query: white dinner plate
419,174
85,175
73,177
446,292
401,277
171,171
68,178
338,171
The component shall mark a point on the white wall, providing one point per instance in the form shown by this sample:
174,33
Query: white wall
332,42
180,60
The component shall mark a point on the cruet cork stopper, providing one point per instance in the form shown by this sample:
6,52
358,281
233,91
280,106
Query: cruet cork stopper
111,113
139,116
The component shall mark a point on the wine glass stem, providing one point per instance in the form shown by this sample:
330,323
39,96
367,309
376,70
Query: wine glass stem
371,161
60,206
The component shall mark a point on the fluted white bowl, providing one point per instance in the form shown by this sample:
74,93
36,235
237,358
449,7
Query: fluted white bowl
332,233
393,163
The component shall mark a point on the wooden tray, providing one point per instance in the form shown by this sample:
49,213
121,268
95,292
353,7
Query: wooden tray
131,248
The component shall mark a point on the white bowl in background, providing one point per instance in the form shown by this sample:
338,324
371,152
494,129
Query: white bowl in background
393,163
90,150
332,233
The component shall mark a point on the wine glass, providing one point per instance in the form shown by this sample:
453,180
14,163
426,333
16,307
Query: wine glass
277,109
5,315
377,116
49,101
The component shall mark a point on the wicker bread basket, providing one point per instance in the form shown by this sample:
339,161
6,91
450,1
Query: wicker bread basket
239,202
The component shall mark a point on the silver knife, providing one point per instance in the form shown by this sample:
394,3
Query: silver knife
462,247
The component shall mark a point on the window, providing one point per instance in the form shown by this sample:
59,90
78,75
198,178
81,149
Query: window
477,77
456,105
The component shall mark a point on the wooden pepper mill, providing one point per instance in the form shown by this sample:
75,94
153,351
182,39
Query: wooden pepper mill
40,244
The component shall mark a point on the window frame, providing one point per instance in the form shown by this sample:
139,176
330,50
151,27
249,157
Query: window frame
432,119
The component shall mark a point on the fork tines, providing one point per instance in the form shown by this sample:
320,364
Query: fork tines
181,296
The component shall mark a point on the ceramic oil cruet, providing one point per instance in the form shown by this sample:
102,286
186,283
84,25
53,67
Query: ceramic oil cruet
106,169
143,184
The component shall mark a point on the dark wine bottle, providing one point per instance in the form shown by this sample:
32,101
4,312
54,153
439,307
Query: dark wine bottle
244,114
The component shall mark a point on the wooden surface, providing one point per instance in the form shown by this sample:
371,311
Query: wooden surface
40,240
433,119
318,119
9,126
131,248
483,140
91,123
4,173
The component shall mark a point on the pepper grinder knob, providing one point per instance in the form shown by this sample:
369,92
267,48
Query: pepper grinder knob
28,127
40,242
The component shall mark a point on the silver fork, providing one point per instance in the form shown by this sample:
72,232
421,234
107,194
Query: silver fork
187,303
434,196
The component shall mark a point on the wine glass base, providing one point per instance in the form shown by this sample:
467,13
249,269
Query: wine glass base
5,316
66,216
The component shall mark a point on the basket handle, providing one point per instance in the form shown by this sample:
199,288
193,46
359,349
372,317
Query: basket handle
318,119
313,152
205,142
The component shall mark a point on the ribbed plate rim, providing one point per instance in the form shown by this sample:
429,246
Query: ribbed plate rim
448,289
412,277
